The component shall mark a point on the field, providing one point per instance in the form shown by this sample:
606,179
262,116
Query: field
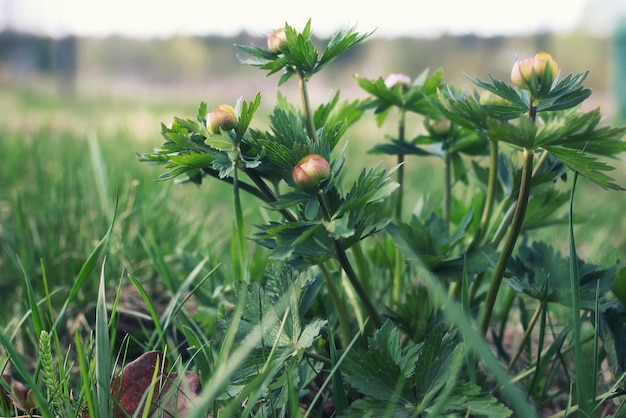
88,234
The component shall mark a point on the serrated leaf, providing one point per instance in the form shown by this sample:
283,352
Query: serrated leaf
220,142
542,273
586,166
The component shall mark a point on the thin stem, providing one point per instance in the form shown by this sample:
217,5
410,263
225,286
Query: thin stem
306,107
398,273
531,326
343,259
400,171
447,186
342,313
509,245
239,227
491,190
242,184
268,194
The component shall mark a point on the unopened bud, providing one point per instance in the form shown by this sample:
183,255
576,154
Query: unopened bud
277,40
489,98
223,118
523,70
399,78
441,126
310,171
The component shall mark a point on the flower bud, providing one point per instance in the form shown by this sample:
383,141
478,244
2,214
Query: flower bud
489,98
310,171
441,126
223,118
522,71
393,79
277,40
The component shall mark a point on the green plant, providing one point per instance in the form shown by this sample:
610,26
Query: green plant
466,247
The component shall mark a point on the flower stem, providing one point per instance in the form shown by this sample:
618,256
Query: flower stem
344,261
525,337
509,244
342,313
267,193
447,187
306,107
491,190
239,227
401,139
398,258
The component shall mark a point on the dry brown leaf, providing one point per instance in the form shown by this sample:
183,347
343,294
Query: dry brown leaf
173,396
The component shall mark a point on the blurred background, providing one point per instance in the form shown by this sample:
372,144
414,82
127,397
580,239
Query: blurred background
183,50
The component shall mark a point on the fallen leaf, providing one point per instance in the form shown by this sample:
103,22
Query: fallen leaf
173,396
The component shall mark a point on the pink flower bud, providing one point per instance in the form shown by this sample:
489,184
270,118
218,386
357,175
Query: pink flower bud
522,70
393,79
223,118
310,171
277,40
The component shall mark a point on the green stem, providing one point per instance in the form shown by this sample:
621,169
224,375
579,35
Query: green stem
361,264
447,187
398,273
342,312
509,245
306,107
344,261
487,209
525,337
239,227
267,193
584,382
491,190
401,139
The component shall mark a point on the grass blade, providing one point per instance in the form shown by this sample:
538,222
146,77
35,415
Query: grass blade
103,353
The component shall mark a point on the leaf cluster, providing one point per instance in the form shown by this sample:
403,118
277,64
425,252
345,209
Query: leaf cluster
417,380
299,56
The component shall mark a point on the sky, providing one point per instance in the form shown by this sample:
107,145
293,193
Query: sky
149,18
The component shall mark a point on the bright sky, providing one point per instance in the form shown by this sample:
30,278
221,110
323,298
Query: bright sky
388,17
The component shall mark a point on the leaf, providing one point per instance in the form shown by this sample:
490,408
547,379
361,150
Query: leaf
542,273
586,166
405,382
174,395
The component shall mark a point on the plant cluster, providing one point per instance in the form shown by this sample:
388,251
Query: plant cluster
364,309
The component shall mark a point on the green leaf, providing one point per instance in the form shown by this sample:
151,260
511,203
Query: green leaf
542,273
405,382
586,166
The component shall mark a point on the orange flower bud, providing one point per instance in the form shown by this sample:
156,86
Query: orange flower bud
223,118
277,40
522,70
310,171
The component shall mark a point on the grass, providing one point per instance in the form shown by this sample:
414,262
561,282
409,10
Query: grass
70,168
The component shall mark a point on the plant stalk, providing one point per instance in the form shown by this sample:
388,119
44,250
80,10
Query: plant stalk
525,337
509,244
342,313
268,194
344,261
398,273
447,186
306,107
